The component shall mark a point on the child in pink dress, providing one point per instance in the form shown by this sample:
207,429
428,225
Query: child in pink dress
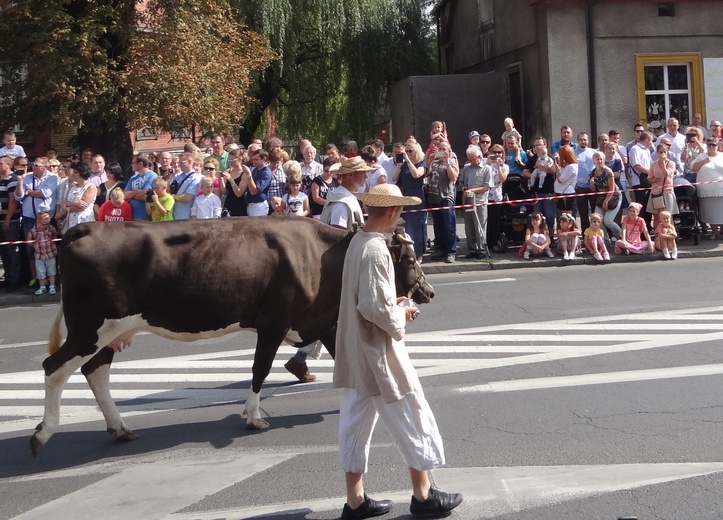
595,239
633,226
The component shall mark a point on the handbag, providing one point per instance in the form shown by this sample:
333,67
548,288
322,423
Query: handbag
658,201
612,203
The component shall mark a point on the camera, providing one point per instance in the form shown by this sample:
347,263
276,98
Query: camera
690,136
149,195
173,187
439,155
399,158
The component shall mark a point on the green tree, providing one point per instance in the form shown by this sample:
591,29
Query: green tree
107,67
337,61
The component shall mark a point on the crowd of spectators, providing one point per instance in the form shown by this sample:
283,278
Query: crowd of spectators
566,181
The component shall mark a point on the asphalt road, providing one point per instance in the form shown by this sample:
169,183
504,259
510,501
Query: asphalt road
576,392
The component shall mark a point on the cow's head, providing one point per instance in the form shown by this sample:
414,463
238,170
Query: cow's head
408,273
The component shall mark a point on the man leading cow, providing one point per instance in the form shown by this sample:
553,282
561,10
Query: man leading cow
373,368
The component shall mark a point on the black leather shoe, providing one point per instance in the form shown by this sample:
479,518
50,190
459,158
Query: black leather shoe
369,508
472,254
437,503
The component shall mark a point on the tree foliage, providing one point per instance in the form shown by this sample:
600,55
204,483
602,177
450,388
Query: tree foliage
337,61
109,66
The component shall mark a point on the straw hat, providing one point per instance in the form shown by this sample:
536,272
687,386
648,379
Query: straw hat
351,165
386,196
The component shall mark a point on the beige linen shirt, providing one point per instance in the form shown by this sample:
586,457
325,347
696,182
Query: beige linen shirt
370,354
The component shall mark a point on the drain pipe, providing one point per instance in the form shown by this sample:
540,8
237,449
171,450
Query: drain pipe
591,68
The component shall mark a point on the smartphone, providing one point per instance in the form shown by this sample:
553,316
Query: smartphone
439,155
399,158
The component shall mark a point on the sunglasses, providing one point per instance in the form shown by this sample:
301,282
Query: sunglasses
486,142
712,145
38,165
209,168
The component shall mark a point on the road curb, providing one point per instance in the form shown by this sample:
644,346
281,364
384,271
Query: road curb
464,265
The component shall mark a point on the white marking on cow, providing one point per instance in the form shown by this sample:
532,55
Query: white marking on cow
130,325
252,407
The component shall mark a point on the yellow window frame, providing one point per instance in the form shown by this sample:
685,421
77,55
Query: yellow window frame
693,59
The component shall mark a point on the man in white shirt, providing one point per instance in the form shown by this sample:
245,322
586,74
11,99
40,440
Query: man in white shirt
640,159
378,146
97,170
677,140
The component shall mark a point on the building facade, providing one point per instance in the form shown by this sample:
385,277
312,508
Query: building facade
592,64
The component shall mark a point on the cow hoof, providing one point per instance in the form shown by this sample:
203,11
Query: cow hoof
257,424
124,436
35,445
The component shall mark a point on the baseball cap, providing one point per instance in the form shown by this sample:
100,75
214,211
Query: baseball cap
473,133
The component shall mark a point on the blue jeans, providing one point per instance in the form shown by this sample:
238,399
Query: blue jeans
548,210
445,227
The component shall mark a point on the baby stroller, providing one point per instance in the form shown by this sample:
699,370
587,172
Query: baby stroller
686,221
513,216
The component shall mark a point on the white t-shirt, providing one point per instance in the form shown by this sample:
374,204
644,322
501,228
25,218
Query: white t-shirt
17,151
340,213
372,180
295,204
717,159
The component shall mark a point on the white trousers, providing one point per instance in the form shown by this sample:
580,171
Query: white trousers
258,209
410,422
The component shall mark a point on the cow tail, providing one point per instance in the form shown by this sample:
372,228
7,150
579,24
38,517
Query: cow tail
55,336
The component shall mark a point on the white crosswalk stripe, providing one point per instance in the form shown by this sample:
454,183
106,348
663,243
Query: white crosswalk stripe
187,381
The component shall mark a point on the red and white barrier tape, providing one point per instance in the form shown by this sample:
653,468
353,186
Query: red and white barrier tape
489,203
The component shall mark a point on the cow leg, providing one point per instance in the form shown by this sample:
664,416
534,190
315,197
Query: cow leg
58,369
79,348
329,341
267,344
97,373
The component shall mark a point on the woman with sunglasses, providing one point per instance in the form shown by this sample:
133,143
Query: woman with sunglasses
235,184
210,170
709,169
408,174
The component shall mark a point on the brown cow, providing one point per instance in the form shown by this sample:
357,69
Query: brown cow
191,280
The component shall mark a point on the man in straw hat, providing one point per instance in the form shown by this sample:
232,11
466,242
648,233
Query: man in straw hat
341,210
374,369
